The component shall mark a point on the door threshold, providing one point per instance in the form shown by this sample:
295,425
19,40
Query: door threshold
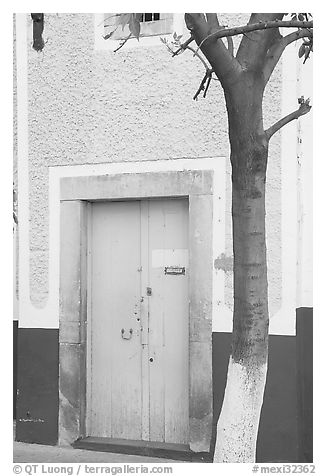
142,448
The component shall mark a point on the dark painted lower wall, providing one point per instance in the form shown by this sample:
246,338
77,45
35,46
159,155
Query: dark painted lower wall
14,362
278,431
285,432
37,386
305,382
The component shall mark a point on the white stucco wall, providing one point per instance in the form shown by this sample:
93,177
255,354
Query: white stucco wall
91,106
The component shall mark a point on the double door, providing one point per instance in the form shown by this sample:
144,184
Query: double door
138,326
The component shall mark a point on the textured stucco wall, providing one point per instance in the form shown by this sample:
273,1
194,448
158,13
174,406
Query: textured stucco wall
14,105
15,171
93,106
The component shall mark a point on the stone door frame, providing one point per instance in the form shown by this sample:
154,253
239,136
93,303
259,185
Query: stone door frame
75,195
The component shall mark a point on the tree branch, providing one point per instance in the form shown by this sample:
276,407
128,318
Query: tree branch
219,57
212,21
254,45
303,109
199,56
256,26
230,45
123,42
184,45
207,77
276,51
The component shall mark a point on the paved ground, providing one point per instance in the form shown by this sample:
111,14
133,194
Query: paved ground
33,453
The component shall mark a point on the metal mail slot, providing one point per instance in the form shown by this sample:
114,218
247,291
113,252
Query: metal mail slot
174,270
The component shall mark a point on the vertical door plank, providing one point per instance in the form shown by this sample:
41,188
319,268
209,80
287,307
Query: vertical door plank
156,324
116,362
144,324
169,322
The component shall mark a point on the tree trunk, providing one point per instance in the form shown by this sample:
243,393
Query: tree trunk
238,423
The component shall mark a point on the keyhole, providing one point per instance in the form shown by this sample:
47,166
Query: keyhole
151,359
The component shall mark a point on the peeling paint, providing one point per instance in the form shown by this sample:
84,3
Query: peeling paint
34,420
224,262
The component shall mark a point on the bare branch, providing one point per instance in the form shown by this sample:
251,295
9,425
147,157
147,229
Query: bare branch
230,45
207,77
256,26
212,20
184,45
207,85
183,48
122,43
304,108
199,56
276,51
254,45
219,57
214,25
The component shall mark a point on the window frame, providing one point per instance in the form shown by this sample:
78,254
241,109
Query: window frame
145,41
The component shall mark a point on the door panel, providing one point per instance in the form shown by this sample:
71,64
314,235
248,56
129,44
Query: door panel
115,360
139,381
168,322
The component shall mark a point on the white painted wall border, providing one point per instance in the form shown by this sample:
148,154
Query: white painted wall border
15,307
296,200
305,190
284,321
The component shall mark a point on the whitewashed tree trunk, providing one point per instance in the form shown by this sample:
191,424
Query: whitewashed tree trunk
243,77
237,427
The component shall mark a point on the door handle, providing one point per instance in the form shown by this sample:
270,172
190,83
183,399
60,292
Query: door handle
124,336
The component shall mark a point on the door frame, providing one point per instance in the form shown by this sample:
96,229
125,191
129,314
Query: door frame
75,195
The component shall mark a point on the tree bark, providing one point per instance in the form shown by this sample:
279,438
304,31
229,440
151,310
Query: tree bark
238,423
243,78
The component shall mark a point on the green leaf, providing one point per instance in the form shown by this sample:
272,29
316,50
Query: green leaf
302,50
307,53
134,25
125,19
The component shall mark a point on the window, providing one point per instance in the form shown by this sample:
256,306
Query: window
153,27
152,24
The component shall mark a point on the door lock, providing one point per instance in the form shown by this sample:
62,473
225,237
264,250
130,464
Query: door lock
149,291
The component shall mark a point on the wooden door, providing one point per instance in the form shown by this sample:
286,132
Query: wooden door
138,363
